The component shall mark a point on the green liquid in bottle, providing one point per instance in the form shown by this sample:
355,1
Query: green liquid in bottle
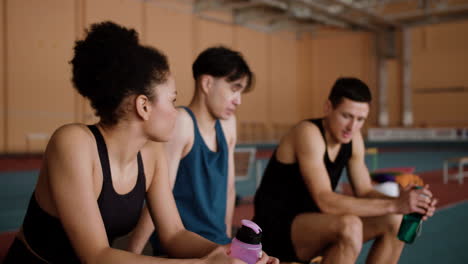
410,226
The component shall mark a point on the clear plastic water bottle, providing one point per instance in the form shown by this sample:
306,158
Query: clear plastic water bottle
410,226
247,245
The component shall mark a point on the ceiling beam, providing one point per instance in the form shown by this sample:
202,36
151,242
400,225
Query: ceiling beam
285,11
371,15
443,10
348,20
205,5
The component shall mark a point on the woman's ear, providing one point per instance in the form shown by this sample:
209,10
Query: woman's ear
143,106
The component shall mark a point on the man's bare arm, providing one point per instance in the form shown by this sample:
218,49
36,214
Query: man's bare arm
230,129
310,148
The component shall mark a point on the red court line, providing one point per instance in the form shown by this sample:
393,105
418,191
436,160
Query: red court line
32,162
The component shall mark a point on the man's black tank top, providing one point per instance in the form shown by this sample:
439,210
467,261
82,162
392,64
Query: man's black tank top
283,188
120,213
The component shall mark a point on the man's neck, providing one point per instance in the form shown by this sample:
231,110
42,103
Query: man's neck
205,120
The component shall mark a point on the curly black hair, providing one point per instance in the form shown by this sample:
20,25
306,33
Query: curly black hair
220,61
110,64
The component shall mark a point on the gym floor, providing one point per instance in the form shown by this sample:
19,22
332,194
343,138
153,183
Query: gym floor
443,240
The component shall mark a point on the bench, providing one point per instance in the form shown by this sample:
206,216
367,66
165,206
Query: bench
460,174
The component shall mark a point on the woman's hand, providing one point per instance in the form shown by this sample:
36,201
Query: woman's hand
265,259
220,256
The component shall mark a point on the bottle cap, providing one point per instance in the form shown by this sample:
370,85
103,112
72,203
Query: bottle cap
249,233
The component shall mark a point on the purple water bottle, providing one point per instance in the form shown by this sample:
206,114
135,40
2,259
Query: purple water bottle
247,245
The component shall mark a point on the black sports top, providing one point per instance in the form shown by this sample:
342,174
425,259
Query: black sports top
120,213
283,188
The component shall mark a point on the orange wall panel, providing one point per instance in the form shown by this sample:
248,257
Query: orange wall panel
447,36
3,103
176,42
309,106
40,96
284,90
344,55
125,12
254,47
440,110
209,33
336,56
440,69
439,61
394,93
293,75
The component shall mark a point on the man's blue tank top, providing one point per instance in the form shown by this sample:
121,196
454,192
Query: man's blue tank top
200,189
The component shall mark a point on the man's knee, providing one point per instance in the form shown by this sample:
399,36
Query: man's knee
350,231
392,223
350,226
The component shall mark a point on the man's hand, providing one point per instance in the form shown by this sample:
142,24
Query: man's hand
412,200
431,210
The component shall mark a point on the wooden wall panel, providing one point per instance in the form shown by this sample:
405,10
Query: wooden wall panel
394,93
435,110
368,55
176,42
439,63
125,12
253,115
447,36
294,76
309,106
284,108
440,69
345,55
336,56
40,96
3,103
207,33
254,47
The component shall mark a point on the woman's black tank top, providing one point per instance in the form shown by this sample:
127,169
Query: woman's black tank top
120,213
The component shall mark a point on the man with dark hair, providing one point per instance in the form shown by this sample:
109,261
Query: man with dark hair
201,151
296,206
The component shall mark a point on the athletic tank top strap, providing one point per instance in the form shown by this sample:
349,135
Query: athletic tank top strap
196,130
111,203
103,155
105,164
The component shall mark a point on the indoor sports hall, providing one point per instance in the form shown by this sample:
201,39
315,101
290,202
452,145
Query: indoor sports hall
413,55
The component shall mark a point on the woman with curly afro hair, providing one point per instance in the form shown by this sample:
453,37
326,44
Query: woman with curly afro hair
94,179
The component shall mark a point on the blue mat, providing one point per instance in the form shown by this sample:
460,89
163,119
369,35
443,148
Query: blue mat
15,191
